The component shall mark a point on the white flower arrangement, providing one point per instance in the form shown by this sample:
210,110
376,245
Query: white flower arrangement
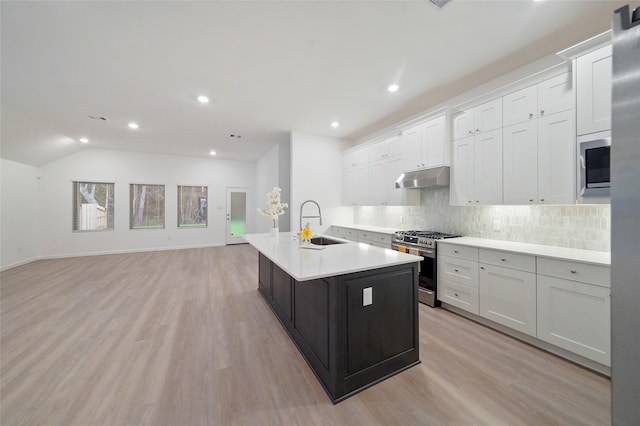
274,207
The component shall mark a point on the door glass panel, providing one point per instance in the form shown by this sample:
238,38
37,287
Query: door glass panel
238,214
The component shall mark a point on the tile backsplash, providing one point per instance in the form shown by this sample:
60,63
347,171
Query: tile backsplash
576,226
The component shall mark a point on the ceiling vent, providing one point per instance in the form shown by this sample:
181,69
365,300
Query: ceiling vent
438,3
98,117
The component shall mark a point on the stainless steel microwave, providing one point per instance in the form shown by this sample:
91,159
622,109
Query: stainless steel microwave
595,167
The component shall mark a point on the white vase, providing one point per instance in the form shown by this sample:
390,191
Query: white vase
275,232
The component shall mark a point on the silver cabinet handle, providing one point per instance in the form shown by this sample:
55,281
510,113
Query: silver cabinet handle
456,251
455,294
531,200
482,267
541,112
503,259
542,200
477,130
470,132
573,271
456,270
530,116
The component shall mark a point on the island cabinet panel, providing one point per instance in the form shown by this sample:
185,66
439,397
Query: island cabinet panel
281,285
348,345
312,318
383,329
264,275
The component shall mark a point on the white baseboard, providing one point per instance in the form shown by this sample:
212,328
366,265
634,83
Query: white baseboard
101,253
22,262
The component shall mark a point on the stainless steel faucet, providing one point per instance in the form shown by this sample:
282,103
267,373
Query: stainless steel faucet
319,216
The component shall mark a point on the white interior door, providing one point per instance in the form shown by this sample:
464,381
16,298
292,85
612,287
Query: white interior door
238,216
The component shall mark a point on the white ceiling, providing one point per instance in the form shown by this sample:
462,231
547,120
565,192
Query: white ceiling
269,68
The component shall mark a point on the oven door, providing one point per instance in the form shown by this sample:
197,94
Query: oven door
427,287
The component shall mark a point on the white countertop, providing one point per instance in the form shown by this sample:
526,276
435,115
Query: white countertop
338,259
577,255
390,231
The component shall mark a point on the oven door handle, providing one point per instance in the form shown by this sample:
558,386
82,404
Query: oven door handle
431,254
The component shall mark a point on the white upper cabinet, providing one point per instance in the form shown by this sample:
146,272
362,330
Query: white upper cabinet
355,186
463,172
556,158
355,158
369,175
555,95
593,83
463,124
521,163
433,143
520,106
483,118
488,116
549,97
539,161
426,145
488,169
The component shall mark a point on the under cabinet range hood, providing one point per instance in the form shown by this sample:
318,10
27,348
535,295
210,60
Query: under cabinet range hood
437,177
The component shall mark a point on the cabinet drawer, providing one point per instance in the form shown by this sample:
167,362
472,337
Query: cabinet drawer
506,259
458,270
337,231
346,233
459,295
375,237
575,271
470,253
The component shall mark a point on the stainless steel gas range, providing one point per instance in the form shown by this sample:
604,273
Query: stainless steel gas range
423,243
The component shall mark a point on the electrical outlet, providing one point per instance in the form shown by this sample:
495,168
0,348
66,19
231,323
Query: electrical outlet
496,225
367,296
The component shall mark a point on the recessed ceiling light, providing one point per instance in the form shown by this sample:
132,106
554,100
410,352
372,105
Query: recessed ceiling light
203,99
335,124
393,88
133,125
84,140
212,152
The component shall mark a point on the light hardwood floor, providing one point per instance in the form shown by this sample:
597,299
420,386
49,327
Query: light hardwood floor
183,338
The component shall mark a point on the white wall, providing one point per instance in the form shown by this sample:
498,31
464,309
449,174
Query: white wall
273,169
123,168
316,174
18,214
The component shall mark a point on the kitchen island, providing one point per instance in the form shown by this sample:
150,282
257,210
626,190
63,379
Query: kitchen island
351,309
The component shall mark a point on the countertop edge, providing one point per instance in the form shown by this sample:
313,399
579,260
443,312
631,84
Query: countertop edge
552,252
290,245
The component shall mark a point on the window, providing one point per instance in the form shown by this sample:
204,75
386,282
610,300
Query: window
192,206
147,206
92,206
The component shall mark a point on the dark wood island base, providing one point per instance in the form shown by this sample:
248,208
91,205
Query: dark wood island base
349,346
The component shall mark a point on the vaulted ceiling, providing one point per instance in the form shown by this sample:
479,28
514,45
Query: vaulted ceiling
267,67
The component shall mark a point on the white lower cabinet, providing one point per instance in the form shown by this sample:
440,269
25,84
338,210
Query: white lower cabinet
458,277
562,302
377,239
575,315
508,297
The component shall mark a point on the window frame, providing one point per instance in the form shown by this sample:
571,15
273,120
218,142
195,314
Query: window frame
132,187
178,207
76,209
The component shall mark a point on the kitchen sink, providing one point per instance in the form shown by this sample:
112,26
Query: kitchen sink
324,241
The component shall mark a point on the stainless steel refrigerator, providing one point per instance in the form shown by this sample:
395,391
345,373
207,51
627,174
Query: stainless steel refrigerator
625,218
